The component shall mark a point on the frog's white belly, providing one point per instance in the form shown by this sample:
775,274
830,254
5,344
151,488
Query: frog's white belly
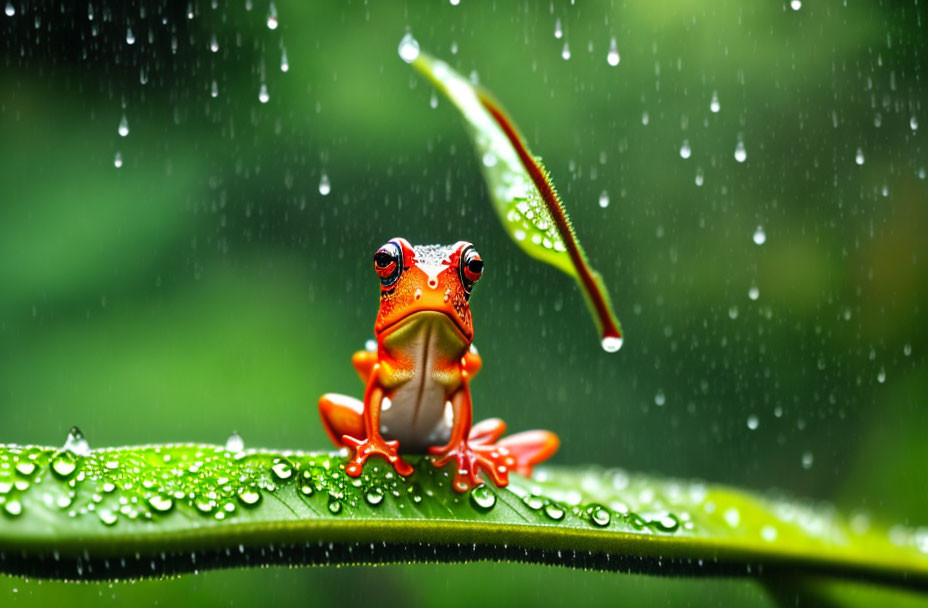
418,414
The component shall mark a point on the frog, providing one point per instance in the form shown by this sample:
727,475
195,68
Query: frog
417,375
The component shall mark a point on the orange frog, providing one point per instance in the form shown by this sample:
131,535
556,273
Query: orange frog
418,379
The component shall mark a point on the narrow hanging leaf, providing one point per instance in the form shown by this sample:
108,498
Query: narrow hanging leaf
521,188
156,510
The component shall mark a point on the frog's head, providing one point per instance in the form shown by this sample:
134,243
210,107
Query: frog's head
420,278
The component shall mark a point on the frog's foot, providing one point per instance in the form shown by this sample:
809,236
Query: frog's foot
365,448
472,458
529,448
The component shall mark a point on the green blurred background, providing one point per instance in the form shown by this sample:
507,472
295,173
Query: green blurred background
213,283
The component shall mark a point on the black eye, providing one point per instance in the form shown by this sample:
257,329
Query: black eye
388,263
471,268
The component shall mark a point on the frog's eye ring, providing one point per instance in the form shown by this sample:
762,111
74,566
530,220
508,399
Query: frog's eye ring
471,268
388,263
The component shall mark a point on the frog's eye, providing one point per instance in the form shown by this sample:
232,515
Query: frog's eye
388,263
471,268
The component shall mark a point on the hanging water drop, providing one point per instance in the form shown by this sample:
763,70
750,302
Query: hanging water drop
272,17
611,344
685,151
760,237
740,153
324,186
263,95
408,49
565,52
76,443
612,57
123,128
714,105
604,199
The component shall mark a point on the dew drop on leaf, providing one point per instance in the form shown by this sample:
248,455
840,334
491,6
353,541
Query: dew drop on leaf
482,498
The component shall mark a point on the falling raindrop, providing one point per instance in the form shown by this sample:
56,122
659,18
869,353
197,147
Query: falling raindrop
558,30
881,375
214,89
263,95
740,153
859,157
795,4
807,460
565,52
123,129
117,160
754,292
753,422
760,237
612,57
284,62
130,37
685,151
324,186
645,118
660,399
272,17
700,178
714,105
214,44
913,123
408,49
9,9
433,100
604,199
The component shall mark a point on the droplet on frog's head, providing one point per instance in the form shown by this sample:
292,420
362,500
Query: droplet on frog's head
408,48
76,443
235,443
612,344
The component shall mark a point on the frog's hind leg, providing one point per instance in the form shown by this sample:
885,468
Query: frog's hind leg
529,448
341,415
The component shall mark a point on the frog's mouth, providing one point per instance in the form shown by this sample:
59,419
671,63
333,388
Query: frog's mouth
426,315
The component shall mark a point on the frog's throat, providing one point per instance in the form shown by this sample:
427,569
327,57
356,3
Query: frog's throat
413,316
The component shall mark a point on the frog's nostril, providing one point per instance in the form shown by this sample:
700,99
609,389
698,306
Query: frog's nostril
433,283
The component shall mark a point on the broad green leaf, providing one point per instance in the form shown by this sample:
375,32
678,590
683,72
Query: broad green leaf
150,510
522,191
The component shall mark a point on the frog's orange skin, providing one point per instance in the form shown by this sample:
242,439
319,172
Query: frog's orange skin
418,381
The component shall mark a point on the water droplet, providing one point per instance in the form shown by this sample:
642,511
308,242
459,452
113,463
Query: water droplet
123,129
282,468
249,495
732,516
554,511
859,157
714,105
907,350
117,160
533,502
733,312
740,153
599,515
374,496
760,237
161,504
753,422
235,443
108,517
9,9
64,463
795,4
455,2
482,498
272,17
881,375
768,533
307,487
645,118
13,507
807,460
284,62
699,176
214,44
611,344
214,89
263,95
433,100
130,37
76,443
565,52
665,523
913,123
408,49
25,467
324,186
335,505
660,399
612,57
685,151
558,30
604,199
489,159
414,491
754,292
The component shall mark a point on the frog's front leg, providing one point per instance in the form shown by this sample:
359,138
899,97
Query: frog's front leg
372,442
473,453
